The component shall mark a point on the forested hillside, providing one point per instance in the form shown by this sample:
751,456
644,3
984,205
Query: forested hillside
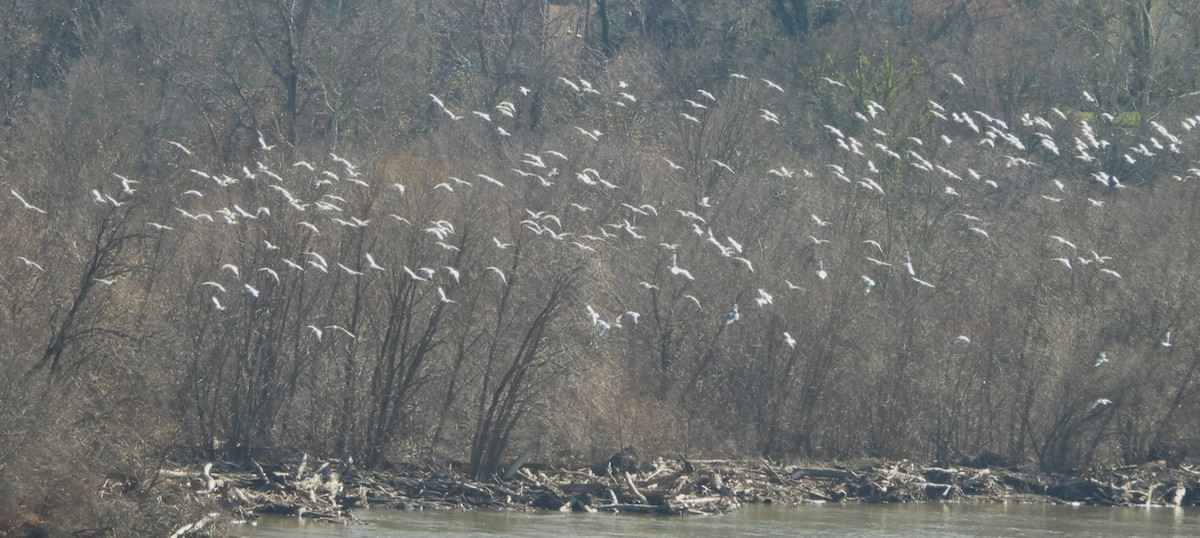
424,231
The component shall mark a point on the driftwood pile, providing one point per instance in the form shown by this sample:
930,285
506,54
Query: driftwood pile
329,490
1147,485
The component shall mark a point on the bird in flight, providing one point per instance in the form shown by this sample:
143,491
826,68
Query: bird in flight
773,85
498,272
180,147
1063,241
26,204
29,263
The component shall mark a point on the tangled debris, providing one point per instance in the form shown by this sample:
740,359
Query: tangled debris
329,490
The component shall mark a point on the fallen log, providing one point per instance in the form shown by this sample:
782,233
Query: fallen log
772,475
817,472
938,492
521,460
694,501
196,527
635,508
633,490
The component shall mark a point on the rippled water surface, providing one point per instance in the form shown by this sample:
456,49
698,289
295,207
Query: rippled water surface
939,520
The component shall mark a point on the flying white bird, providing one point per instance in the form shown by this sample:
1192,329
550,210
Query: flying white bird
679,271
413,276
1063,241
763,298
270,272
773,85
569,84
371,262
214,285
722,165
25,204
180,147
262,143
733,315
490,179
634,317
29,263
349,271
499,273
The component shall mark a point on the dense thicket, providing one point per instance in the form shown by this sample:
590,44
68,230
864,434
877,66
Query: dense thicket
395,230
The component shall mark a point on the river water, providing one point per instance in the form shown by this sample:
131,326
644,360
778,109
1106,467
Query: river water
933,520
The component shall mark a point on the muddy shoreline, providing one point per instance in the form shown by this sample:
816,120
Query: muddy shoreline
328,490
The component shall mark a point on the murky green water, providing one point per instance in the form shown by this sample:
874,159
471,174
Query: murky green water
938,520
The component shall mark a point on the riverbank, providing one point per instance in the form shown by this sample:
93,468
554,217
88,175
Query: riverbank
328,490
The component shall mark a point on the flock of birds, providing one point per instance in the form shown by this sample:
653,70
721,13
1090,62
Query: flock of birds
316,193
